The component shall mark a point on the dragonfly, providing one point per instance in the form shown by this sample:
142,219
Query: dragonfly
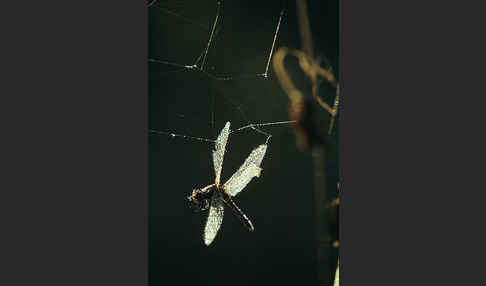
215,196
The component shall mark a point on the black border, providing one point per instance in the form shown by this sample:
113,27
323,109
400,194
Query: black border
405,70
74,143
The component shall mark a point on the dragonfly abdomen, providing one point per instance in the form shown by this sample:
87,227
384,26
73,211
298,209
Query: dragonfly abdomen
239,213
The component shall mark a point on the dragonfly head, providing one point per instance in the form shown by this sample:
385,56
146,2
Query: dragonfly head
194,204
199,199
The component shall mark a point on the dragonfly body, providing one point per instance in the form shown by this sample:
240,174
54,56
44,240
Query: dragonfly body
215,196
201,199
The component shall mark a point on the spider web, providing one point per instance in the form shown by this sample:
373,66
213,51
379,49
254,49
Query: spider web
209,64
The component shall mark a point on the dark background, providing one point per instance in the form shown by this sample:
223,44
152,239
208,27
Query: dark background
282,249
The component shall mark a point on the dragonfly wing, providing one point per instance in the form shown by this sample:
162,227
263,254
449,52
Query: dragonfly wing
249,169
218,153
215,218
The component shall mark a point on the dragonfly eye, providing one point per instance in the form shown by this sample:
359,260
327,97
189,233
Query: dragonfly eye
194,205
196,202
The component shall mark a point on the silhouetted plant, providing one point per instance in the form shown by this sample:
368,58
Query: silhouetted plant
311,137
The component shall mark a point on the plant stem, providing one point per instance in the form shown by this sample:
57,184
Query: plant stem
321,216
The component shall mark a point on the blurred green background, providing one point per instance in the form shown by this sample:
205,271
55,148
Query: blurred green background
281,251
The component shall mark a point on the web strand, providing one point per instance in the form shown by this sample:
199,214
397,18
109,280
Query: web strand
204,53
211,36
252,126
199,67
152,4
263,124
172,64
180,135
265,74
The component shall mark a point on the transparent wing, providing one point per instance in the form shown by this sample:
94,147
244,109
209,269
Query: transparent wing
237,184
215,218
218,153
249,169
